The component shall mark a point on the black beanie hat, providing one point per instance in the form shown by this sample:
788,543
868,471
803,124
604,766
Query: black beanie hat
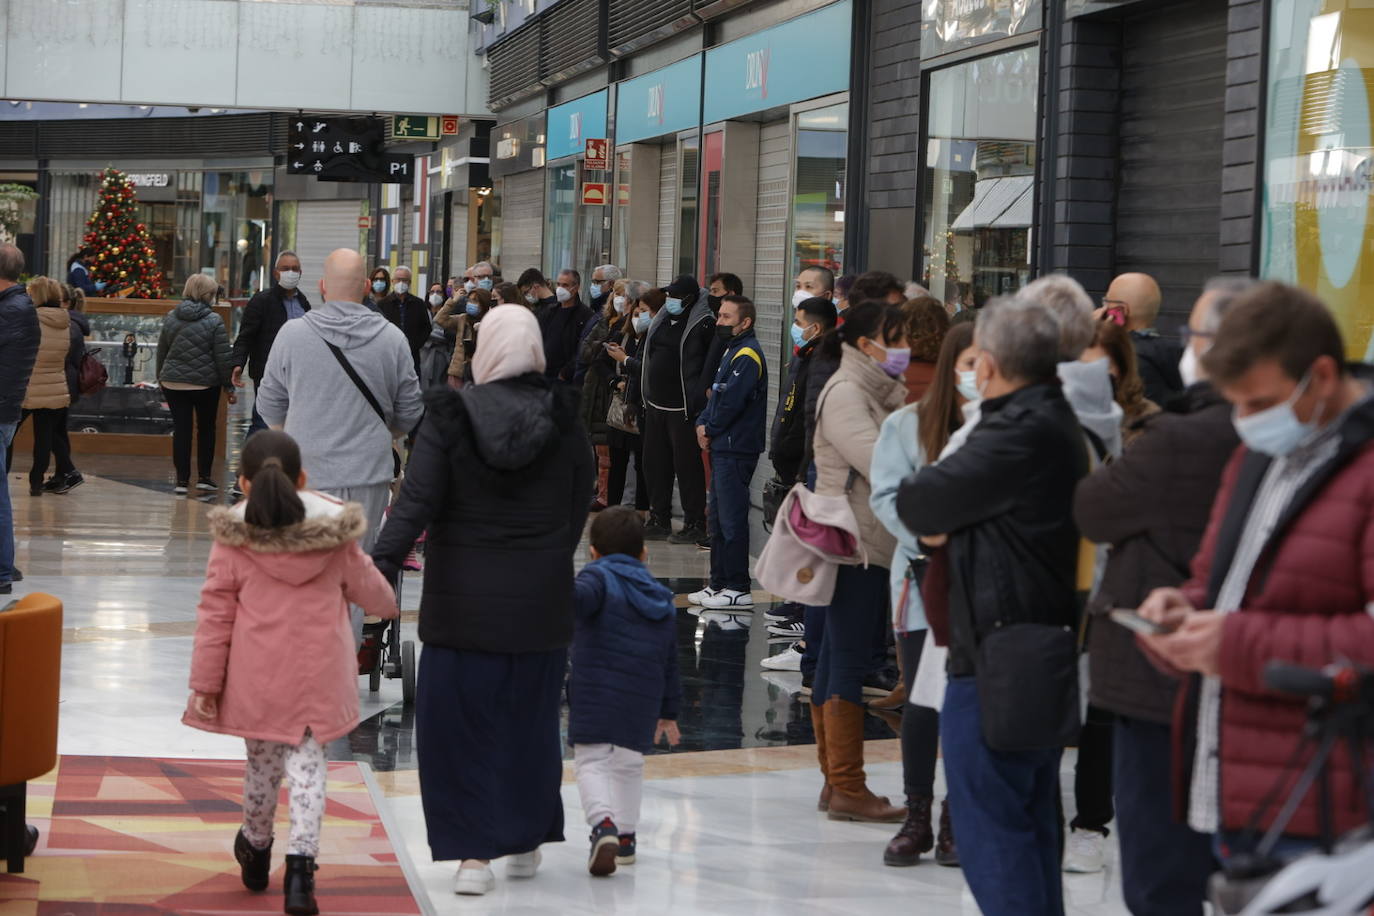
684,287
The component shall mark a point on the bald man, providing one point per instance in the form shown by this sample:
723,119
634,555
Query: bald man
1136,298
345,433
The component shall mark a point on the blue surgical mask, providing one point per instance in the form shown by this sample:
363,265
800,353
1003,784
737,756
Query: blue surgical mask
379,286
473,309
595,290
642,321
674,306
968,385
1277,430
484,283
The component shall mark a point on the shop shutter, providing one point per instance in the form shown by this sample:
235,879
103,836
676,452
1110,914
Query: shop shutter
321,227
667,213
513,65
772,292
633,24
1173,86
571,40
522,223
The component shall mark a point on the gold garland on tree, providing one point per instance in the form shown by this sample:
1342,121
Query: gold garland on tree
123,257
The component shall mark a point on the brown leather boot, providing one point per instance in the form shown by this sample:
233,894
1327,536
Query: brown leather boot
915,835
818,726
603,477
893,701
945,852
850,799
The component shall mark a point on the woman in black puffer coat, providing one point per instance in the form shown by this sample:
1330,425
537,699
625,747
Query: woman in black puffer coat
194,362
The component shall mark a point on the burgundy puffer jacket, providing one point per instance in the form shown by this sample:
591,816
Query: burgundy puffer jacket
1306,603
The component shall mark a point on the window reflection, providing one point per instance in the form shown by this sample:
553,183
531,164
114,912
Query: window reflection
980,178
818,198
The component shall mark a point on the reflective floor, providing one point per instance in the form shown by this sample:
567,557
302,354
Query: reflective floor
729,820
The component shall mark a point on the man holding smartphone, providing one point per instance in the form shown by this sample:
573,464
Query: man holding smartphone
1284,569
1151,505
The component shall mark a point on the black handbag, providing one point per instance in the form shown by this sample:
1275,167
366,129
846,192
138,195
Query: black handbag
1028,687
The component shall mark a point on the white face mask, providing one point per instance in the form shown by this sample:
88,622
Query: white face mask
619,303
529,297
402,287
563,294
641,322
469,286
968,385
1188,367
799,296
290,279
436,299
1276,431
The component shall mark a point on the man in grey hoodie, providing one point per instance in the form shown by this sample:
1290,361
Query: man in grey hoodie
345,444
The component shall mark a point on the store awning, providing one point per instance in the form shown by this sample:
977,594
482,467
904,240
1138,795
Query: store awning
999,203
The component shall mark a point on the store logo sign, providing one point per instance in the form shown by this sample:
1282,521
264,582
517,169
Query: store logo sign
656,103
150,180
756,71
575,127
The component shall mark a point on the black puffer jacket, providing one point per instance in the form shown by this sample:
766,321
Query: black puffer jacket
789,442
501,477
598,375
80,329
194,347
19,337
1151,505
1005,499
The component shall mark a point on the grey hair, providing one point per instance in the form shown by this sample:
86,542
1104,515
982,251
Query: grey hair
11,263
288,253
1224,292
1071,306
635,289
486,264
1022,335
610,272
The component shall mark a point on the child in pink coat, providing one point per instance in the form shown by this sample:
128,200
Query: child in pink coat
274,657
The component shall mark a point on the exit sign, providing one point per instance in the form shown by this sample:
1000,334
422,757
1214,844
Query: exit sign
415,127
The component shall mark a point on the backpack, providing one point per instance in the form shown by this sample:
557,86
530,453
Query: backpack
435,355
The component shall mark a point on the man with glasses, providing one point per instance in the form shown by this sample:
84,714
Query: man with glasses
1133,301
482,275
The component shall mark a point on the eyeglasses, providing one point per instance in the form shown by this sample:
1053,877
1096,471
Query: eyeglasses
1187,334
1113,303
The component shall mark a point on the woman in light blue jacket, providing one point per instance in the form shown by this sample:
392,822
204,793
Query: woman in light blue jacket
909,439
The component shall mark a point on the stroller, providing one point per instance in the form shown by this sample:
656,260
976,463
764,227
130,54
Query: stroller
1338,879
384,653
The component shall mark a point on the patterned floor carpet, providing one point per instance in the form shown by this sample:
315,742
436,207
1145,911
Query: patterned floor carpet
143,836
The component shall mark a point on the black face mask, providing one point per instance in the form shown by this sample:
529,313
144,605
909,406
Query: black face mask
725,331
714,303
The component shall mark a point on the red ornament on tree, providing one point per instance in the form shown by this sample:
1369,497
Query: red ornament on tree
124,256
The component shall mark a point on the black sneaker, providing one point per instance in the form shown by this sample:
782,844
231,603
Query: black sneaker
36,491
656,531
881,682
52,483
181,487
16,575
626,855
205,483
704,544
605,849
69,482
793,629
6,588
690,534
788,610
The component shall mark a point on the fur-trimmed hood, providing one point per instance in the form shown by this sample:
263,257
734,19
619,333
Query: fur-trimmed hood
297,553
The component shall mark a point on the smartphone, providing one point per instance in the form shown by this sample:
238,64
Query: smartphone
1134,622
1117,316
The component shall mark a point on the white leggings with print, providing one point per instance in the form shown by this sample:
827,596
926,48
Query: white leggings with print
304,764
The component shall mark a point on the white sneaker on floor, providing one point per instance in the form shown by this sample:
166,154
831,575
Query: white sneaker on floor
474,882
789,660
1085,852
523,865
729,599
699,598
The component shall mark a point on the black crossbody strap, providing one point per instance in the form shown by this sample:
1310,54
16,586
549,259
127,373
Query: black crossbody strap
358,382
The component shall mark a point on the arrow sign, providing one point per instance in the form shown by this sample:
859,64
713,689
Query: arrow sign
300,126
298,146
298,165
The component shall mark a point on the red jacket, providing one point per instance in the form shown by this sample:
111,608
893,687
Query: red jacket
1305,604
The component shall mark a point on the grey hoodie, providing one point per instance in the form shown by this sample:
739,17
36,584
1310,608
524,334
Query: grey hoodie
305,390
1088,389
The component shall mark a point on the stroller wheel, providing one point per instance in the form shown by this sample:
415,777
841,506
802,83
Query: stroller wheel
408,671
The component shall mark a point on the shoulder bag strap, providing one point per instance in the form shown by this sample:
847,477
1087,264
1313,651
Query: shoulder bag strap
358,382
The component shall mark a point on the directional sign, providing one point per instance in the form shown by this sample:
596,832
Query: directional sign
344,149
415,127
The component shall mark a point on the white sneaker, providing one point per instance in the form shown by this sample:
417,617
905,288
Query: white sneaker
1085,852
699,598
474,882
523,865
728,598
790,660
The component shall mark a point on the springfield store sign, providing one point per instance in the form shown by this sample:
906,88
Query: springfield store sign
150,179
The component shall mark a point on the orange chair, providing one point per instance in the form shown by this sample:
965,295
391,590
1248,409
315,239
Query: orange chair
30,671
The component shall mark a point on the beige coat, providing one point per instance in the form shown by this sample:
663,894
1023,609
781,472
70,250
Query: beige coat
48,383
849,415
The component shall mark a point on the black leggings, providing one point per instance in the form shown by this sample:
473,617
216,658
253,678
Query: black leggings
47,443
620,465
920,724
200,405
1092,776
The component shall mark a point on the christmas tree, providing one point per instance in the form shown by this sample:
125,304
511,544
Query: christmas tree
122,253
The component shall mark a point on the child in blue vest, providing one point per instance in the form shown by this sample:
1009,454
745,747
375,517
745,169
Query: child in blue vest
623,692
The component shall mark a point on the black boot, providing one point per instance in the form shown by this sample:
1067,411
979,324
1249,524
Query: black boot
946,853
300,886
255,864
914,837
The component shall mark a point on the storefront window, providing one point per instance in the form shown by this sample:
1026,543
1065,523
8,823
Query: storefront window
818,194
710,195
980,178
593,230
562,214
689,154
622,209
1319,160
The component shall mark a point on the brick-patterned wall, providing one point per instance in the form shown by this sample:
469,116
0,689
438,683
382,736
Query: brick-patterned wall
1241,168
894,93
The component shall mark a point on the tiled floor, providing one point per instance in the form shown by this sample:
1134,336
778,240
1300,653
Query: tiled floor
729,820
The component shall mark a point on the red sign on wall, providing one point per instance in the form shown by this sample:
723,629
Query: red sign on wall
593,193
448,124
598,154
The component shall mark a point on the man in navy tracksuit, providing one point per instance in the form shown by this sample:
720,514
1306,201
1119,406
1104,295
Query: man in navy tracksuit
734,427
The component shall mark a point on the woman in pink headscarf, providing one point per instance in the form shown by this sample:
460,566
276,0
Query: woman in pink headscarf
501,478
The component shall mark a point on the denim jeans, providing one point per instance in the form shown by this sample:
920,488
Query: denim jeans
727,512
855,623
1007,803
1164,864
6,511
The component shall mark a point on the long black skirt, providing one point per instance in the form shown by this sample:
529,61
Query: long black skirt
491,758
